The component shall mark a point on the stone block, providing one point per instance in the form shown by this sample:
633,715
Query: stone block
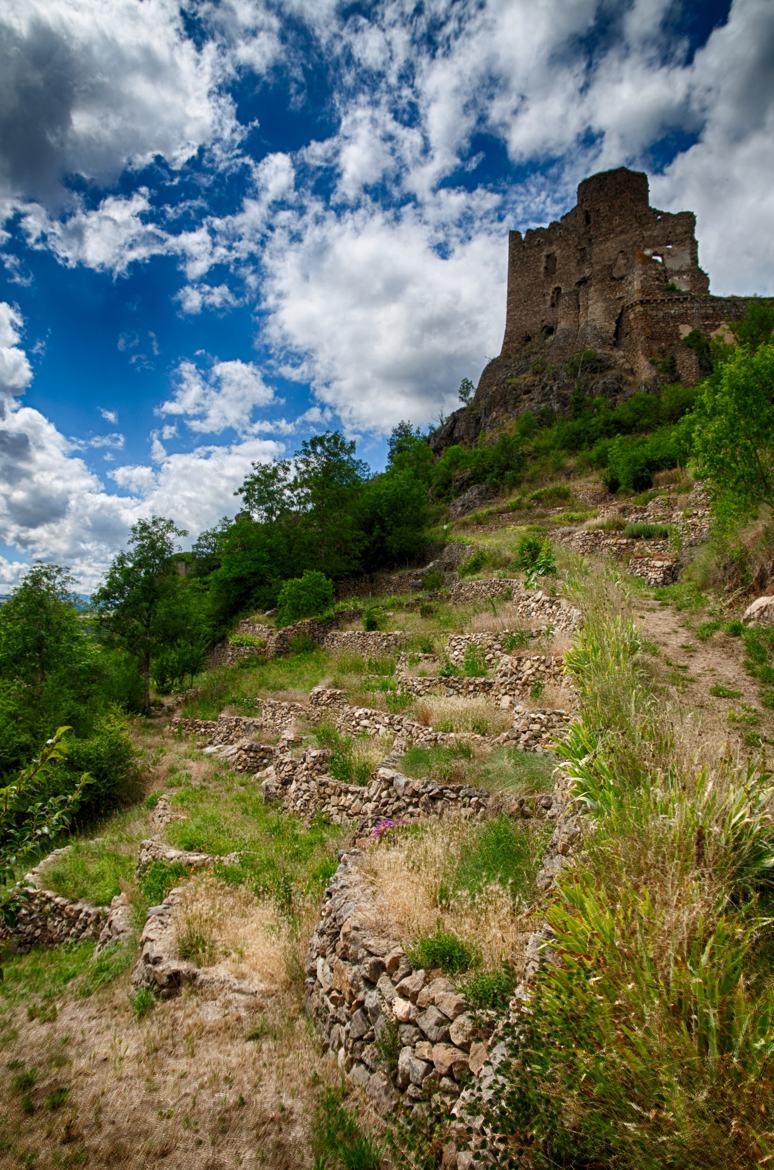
434,1025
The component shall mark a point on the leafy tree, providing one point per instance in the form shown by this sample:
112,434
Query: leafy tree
409,452
30,815
267,491
733,437
50,670
466,391
757,325
303,597
39,628
327,488
138,602
394,517
250,570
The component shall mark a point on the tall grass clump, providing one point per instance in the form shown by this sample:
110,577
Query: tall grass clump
648,1044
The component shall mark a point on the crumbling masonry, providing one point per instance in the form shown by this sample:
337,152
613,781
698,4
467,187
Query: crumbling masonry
614,276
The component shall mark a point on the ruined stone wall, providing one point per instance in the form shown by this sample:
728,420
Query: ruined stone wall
569,282
305,788
369,643
651,328
405,1034
362,989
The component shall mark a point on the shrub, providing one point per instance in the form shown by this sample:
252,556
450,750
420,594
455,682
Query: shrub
555,493
490,990
432,580
445,950
535,556
372,617
303,597
473,564
640,530
516,640
249,641
109,758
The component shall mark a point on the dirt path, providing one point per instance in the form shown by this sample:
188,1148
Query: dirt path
690,669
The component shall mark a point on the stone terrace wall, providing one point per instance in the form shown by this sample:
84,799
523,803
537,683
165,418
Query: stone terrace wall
362,988
536,731
658,566
45,918
226,729
533,605
369,643
491,647
305,788
361,985
332,704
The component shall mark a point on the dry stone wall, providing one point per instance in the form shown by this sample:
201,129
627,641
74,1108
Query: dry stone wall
161,969
369,643
403,1034
361,989
304,787
42,917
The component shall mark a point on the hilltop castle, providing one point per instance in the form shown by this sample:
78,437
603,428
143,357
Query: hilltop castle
614,275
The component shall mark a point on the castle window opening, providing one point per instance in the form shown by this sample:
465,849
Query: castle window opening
556,297
549,265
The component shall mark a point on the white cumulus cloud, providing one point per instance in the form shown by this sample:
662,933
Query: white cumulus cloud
223,396
15,370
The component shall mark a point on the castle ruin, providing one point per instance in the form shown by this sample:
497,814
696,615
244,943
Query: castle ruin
614,276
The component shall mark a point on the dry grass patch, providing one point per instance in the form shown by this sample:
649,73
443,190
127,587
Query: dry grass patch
471,880
462,714
227,926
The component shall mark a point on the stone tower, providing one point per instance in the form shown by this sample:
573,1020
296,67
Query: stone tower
571,284
614,276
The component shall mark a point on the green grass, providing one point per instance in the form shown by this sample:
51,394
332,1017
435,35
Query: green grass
646,1046
157,880
445,950
504,769
503,851
279,856
683,595
239,685
338,1140
490,990
346,764
91,871
42,974
115,960
721,692
641,530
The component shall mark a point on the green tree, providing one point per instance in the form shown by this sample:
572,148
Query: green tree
756,327
466,391
326,489
267,491
50,670
303,597
138,602
409,452
733,431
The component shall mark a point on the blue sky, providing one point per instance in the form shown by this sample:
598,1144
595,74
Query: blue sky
227,225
